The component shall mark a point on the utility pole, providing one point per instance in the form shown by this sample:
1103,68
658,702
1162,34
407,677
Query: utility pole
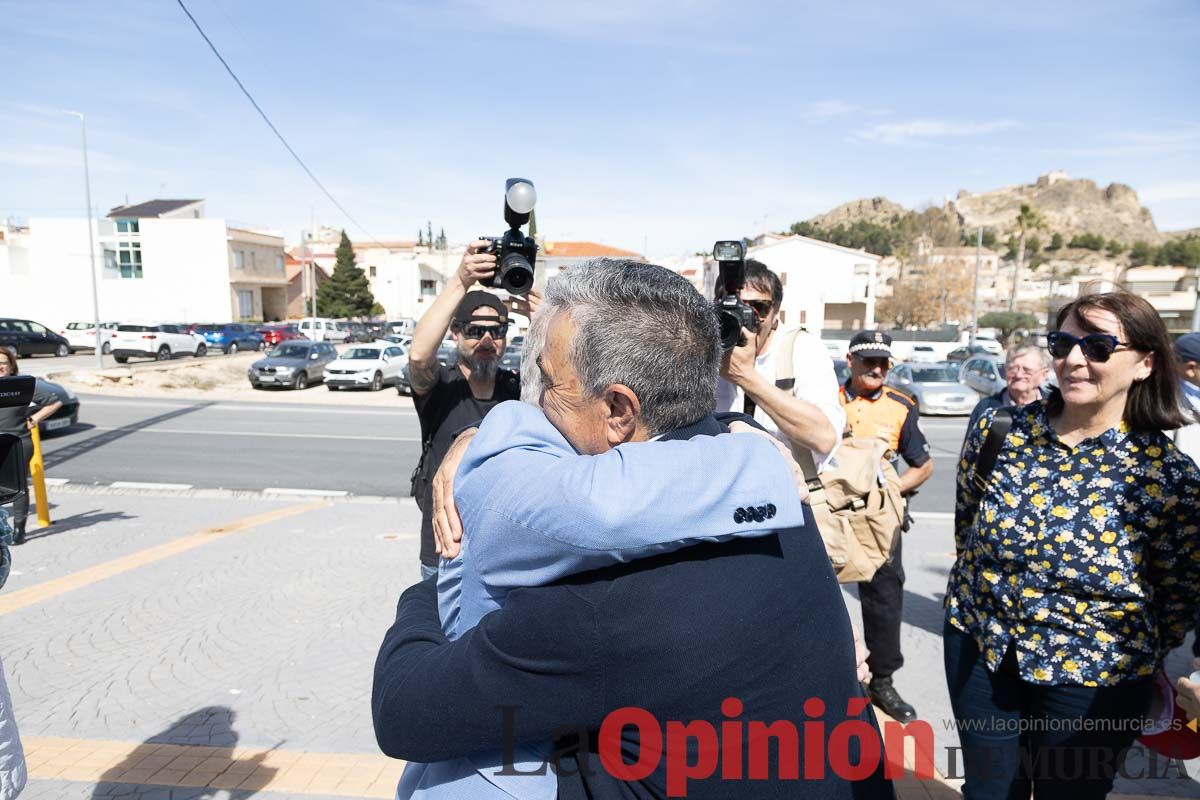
975,291
1050,297
1196,310
312,260
87,192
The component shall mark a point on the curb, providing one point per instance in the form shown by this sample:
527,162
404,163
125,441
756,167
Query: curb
119,488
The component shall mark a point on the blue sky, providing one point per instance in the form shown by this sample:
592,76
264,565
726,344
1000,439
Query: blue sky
653,126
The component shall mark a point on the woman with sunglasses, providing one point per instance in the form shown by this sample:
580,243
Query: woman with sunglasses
1077,563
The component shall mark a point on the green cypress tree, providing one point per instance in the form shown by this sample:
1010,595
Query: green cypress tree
347,293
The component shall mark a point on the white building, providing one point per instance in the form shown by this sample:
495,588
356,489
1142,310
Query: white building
161,260
825,286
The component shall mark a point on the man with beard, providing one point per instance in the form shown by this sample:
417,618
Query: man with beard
449,399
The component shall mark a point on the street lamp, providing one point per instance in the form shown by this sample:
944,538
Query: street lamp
87,189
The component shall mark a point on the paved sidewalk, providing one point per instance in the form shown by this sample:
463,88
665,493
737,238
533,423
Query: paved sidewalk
191,646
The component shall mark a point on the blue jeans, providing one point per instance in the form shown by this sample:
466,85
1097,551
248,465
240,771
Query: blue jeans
1019,737
427,572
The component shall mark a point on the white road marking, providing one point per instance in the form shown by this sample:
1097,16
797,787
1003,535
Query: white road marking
307,492
56,481
940,516
337,436
133,402
168,487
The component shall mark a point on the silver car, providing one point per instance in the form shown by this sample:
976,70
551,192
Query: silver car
292,364
984,374
935,388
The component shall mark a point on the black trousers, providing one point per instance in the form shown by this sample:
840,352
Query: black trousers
882,600
21,507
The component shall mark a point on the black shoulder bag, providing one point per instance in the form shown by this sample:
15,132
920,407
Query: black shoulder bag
986,462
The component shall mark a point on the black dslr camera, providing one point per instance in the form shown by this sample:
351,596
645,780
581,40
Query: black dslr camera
732,313
514,251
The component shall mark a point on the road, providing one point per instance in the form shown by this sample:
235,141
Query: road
85,360
238,446
257,446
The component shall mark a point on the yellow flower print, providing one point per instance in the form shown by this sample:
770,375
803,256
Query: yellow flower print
1154,490
1070,666
1041,674
1116,577
1105,636
1038,500
1098,512
1154,452
1062,512
1108,537
1027,592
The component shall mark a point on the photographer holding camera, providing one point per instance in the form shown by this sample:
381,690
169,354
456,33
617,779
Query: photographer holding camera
801,410
450,399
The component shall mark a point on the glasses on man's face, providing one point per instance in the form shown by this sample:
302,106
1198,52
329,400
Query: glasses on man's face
479,331
761,307
1097,347
1011,370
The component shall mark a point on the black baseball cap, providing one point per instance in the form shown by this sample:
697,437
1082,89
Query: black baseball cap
477,299
1187,347
871,344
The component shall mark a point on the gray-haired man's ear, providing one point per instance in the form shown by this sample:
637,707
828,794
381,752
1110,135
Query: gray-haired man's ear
624,412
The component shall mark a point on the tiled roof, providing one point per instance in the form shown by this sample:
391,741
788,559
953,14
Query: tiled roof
585,250
153,208
385,245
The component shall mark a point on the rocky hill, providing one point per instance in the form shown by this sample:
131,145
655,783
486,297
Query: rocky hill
1070,207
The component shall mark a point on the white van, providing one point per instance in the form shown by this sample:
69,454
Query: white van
320,329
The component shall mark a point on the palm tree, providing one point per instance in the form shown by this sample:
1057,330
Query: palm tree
1029,219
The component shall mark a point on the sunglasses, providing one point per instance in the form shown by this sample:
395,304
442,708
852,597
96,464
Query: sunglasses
1097,347
761,307
479,331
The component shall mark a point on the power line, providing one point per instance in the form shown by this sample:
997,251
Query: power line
271,125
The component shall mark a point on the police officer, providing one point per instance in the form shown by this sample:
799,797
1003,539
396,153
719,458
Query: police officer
875,411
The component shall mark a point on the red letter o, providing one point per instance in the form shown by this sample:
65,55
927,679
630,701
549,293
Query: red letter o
649,750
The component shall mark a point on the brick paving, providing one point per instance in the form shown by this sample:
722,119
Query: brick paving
247,652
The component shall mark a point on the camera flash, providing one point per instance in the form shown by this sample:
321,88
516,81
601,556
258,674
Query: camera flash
521,197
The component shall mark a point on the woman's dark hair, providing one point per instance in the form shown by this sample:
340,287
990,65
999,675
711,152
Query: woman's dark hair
1153,404
10,354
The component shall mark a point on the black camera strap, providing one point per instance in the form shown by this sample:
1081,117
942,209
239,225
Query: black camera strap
985,462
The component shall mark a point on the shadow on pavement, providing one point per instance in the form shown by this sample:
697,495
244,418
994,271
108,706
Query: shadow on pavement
212,726
65,454
84,519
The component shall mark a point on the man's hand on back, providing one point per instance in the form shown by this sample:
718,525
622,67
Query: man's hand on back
797,473
447,526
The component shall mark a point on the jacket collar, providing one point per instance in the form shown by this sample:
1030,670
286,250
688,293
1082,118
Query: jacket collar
705,426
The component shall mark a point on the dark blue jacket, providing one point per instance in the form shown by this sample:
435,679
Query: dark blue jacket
761,620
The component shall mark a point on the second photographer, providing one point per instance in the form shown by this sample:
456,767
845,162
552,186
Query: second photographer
806,413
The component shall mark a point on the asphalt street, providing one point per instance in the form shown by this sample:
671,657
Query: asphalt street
257,446
238,446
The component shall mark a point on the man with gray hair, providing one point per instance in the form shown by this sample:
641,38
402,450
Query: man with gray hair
1025,372
662,606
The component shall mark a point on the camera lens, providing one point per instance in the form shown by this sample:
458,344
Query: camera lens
515,275
731,329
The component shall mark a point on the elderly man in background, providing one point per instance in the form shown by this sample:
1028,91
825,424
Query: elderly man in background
1025,371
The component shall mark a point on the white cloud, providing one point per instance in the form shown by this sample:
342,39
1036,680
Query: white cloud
829,109
893,132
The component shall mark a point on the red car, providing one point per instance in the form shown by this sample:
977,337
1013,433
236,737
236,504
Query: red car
274,334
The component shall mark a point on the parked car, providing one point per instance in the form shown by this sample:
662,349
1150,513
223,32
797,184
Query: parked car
984,374
292,365
66,416
320,329
935,388
32,338
923,354
401,326
404,340
511,359
367,367
841,369
358,332
989,344
402,385
82,335
967,351
161,341
231,337
447,353
275,334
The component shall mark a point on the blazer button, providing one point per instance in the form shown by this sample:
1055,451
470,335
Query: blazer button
739,516
770,510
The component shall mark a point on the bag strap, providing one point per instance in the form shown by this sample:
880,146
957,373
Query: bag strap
986,461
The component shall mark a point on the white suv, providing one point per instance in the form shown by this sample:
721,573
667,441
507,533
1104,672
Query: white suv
320,329
158,340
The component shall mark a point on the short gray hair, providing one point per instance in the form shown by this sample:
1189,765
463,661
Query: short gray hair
1042,354
639,325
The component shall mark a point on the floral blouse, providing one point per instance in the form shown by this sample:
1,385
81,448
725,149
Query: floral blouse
1085,559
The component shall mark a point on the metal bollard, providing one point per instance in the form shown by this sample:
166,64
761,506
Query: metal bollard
38,472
